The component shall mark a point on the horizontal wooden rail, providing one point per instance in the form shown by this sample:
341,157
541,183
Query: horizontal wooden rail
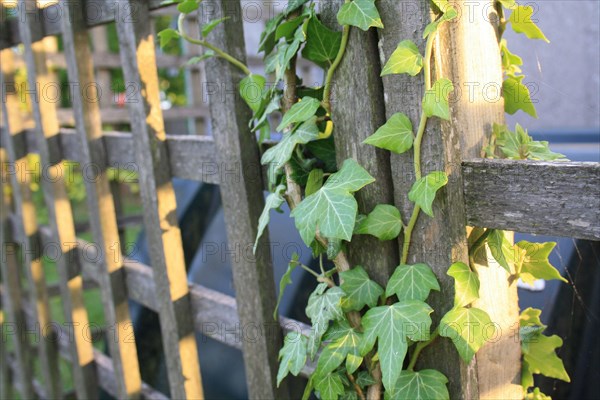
545,198
99,12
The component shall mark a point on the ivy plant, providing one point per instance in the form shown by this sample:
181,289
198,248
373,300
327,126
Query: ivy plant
366,338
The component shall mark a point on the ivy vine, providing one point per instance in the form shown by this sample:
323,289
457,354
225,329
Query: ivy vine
368,338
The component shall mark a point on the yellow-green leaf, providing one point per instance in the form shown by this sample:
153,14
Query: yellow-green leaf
435,102
423,191
406,59
466,284
521,22
360,13
395,135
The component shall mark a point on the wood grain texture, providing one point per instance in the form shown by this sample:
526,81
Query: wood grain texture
137,49
101,207
468,51
243,201
60,214
358,110
441,240
562,199
27,232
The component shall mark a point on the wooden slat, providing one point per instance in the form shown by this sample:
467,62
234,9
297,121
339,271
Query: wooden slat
358,110
546,198
243,201
12,298
441,240
59,209
101,207
27,224
6,391
466,52
137,47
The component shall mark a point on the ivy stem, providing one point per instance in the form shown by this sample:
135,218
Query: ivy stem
320,278
330,72
204,43
408,233
417,149
419,347
479,242
359,391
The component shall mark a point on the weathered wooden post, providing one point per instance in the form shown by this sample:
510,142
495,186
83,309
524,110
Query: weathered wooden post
466,52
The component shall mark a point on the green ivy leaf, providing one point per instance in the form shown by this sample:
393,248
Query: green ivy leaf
208,27
365,379
513,144
267,37
343,346
426,384
359,289
435,102
323,306
166,35
251,90
412,282
286,279
467,328
517,96
332,208
406,59
531,317
540,150
509,4
322,44
466,284
511,63
521,22
329,386
187,6
360,13
536,394
448,15
384,222
532,262
442,5
391,326
292,355
501,248
300,112
288,28
293,5
278,155
539,355
395,135
315,181
423,191
274,201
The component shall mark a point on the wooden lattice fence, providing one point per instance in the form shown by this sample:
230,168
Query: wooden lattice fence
554,198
